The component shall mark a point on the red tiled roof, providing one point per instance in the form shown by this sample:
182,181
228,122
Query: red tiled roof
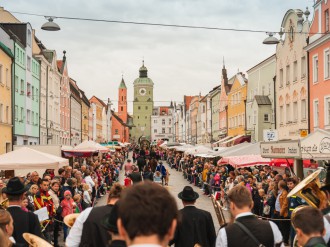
187,100
101,101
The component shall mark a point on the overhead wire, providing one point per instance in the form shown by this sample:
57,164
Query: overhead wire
161,24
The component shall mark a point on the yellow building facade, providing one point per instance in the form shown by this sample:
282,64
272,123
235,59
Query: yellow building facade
6,126
237,106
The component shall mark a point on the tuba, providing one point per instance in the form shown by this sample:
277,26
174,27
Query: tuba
70,219
309,190
35,241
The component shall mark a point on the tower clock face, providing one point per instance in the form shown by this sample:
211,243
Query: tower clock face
142,91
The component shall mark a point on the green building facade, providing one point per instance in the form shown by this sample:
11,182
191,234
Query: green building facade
142,105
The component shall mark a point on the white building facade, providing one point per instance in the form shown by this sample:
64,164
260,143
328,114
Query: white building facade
162,125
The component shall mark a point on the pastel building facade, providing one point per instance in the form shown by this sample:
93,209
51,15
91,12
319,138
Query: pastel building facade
260,105
236,105
319,67
65,105
6,106
162,125
291,87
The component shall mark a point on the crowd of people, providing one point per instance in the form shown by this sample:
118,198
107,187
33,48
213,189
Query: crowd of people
146,213
74,189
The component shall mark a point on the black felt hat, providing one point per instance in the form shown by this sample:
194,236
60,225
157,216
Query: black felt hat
14,187
188,194
110,220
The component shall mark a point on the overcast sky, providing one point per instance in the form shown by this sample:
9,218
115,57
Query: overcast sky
180,61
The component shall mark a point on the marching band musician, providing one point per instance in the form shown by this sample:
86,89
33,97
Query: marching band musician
326,208
43,199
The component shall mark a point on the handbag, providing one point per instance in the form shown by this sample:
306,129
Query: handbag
247,231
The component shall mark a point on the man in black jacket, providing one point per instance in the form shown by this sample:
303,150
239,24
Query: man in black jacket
247,229
196,226
23,221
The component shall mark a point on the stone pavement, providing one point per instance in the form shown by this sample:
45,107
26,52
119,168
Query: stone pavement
176,184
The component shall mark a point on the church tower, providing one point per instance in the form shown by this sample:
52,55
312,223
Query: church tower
142,105
122,101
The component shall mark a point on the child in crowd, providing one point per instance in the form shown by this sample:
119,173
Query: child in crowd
87,200
24,204
77,201
158,177
68,207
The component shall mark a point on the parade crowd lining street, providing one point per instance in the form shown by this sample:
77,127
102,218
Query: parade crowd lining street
246,193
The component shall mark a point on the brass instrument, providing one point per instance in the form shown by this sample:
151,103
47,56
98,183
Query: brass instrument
70,219
309,190
4,204
35,241
144,143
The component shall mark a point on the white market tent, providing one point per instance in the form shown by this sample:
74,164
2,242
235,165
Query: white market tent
90,146
199,150
27,158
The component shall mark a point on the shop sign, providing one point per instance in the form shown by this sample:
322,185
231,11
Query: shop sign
303,133
281,149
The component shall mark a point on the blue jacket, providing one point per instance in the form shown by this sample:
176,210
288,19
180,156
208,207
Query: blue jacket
161,168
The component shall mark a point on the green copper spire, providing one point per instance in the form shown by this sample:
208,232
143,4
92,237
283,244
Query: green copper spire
122,84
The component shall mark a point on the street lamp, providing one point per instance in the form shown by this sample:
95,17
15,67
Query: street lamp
50,25
271,40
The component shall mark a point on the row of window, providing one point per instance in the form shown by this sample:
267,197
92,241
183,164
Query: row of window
20,56
4,114
294,77
316,111
237,121
236,98
164,131
31,117
326,68
4,76
139,107
31,91
163,121
292,111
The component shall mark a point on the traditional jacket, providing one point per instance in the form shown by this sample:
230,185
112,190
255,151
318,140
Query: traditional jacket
43,199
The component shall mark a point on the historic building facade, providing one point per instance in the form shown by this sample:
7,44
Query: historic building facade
75,118
291,77
236,105
223,106
319,68
65,105
84,116
142,105
162,126
6,61
260,105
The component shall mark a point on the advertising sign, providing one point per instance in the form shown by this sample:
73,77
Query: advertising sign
282,149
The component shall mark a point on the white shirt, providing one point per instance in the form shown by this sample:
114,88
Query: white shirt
74,237
90,182
326,236
222,235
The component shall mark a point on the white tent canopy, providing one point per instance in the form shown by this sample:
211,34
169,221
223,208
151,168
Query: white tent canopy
199,150
89,146
27,158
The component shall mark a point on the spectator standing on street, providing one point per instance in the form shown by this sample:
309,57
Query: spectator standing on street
239,232
15,192
135,176
128,167
154,218
196,225
54,193
162,169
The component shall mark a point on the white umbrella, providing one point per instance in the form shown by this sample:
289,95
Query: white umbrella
27,158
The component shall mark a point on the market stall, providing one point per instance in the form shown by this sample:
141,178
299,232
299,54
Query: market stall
25,160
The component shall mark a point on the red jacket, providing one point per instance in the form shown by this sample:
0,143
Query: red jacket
43,199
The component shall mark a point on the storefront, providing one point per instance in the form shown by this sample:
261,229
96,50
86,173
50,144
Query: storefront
315,146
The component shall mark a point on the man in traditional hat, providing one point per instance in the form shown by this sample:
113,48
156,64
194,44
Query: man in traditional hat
23,221
110,224
196,226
